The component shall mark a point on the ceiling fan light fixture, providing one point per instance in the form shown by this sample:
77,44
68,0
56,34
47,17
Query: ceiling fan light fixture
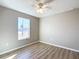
40,7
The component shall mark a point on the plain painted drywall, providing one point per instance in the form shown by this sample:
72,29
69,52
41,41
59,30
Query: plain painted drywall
9,29
61,29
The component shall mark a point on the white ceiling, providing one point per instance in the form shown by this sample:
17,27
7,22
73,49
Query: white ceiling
26,6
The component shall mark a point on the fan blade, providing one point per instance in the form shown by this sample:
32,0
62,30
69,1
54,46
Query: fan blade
37,0
48,1
40,1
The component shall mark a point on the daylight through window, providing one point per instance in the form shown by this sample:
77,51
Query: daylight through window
23,28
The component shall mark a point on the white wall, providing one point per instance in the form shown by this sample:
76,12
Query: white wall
9,29
61,29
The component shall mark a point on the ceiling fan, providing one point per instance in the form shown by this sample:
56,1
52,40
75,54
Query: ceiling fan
42,5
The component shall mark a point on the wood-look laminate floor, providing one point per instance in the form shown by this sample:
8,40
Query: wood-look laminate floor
42,51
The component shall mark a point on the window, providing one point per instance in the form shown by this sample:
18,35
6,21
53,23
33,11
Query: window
23,28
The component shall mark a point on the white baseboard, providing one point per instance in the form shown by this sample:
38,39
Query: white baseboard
19,47
61,46
41,42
